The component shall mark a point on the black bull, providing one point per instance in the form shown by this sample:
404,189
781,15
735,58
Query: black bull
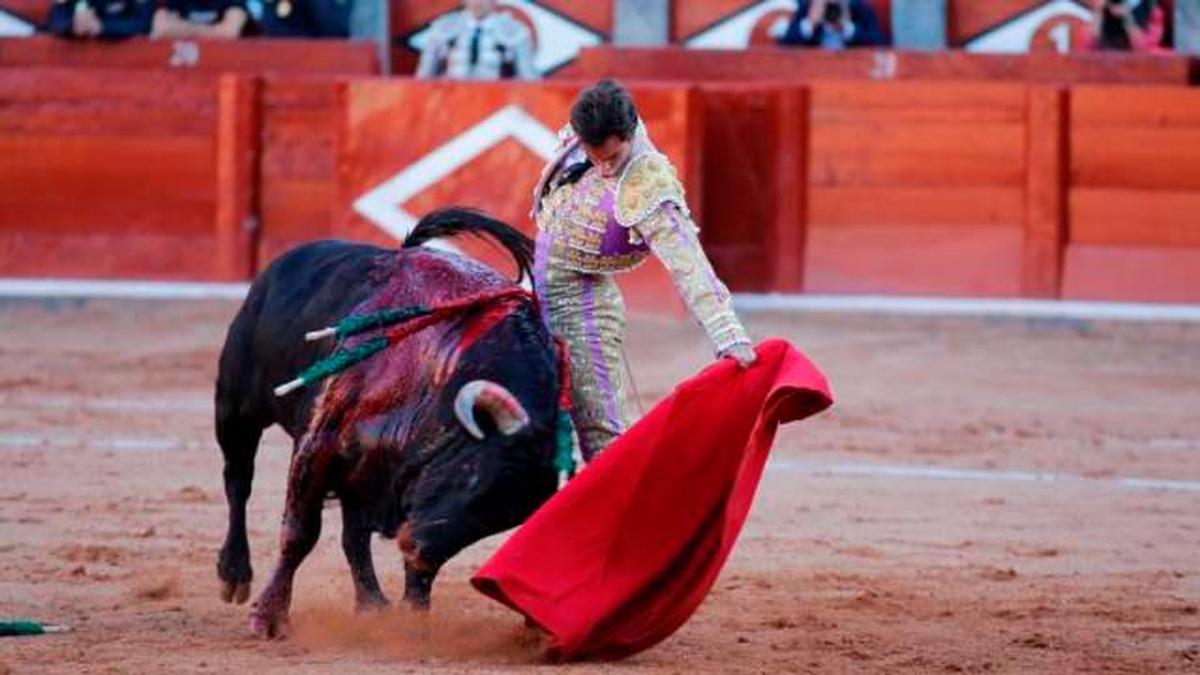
440,440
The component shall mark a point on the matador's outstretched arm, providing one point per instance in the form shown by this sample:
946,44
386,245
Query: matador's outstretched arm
672,237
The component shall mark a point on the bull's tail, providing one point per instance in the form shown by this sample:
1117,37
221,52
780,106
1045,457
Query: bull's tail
454,221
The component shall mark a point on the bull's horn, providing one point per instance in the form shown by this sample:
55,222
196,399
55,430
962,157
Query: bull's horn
506,411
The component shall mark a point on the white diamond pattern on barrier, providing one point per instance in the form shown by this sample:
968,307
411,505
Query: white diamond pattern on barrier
734,31
383,204
14,26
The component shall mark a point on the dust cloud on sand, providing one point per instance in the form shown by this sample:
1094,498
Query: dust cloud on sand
445,633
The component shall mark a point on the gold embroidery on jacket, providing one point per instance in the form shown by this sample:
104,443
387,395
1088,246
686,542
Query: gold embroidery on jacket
647,183
575,217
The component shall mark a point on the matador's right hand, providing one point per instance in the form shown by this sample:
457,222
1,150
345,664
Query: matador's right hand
742,353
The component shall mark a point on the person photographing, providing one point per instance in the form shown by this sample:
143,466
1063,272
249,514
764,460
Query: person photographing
1127,25
833,25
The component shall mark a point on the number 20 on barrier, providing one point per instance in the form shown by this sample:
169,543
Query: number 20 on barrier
184,54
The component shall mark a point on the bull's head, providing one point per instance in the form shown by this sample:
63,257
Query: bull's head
486,451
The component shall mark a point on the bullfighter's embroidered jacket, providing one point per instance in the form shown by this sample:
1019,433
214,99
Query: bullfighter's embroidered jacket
590,228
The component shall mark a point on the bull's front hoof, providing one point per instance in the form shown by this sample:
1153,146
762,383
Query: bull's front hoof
418,582
235,592
235,575
269,625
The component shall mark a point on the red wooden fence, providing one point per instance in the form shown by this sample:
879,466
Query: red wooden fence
947,188
1135,194
109,176
312,57
773,64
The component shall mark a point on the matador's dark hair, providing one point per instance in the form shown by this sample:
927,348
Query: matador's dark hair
605,109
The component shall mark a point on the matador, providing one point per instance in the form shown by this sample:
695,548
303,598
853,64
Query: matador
605,202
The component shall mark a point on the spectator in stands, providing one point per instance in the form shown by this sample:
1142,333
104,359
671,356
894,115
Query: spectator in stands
834,25
478,43
104,19
307,18
227,19
1128,25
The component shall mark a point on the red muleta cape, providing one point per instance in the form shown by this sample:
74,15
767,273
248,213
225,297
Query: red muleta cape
620,558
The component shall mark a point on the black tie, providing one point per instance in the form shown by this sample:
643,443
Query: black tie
475,45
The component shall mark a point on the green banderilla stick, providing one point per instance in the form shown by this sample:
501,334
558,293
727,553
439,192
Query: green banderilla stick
333,364
564,444
18,627
355,324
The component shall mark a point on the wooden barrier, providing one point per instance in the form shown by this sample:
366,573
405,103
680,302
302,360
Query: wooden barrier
1047,183
1135,195
298,175
956,189
753,183
162,174
773,64
237,181
108,176
247,56
991,189
908,177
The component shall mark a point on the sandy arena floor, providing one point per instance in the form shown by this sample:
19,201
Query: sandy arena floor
987,496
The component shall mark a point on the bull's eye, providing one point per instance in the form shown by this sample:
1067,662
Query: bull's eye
468,476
